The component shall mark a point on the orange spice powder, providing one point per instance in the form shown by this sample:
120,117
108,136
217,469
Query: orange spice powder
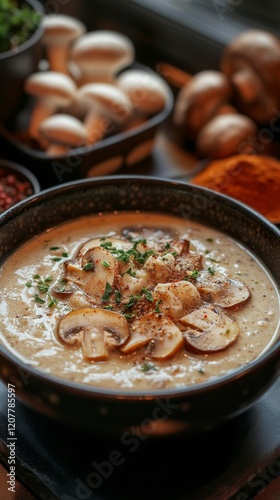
252,179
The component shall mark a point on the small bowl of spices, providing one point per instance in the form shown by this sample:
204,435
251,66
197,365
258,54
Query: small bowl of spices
16,184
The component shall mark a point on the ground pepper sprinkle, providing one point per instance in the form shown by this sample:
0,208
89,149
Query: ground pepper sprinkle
252,179
12,189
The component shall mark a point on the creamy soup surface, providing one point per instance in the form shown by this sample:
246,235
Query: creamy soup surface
136,301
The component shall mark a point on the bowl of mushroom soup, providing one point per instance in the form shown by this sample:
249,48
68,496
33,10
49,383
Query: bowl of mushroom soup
138,302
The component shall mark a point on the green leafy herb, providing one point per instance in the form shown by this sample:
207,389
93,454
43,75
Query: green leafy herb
17,23
148,294
107,245
128,316
211,270
54,248
146,367
107,292
210,240
52,301
118,296
38,299
88,267
43,288
105,264
109,308
174,254
29,284
65,254
194,274
157,309
48,279
36,277
167,246
132,300
200,370
56,259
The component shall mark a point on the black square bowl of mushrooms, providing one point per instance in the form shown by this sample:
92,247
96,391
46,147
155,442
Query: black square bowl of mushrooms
134,301
92,111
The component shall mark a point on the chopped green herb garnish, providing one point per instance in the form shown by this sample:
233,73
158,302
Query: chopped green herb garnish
174,254
52,301
65,254
118,296
200,370
109,308
211,270
29,284
146,367
107,245
132,300
56,259
38,299
130,272
43,288
54,248
148,294
105,264
157,309
167,246
36,277
194,274
88,267
128,316
212,260
49,279
107,292
210,240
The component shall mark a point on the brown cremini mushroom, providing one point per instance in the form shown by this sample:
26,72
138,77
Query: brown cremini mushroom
59,32
224,135
252,62
199,100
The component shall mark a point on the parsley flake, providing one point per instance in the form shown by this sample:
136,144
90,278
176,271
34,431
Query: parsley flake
157,309
107,292
88,267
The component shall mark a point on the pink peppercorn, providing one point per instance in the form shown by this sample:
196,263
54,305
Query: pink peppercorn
12,189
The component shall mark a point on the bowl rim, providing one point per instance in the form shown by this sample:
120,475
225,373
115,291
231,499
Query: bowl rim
33,39
91,391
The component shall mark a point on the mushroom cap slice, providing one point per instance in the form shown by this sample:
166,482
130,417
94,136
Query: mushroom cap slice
99,269
163,337
222,291
177,298
95,329
110,241
209,329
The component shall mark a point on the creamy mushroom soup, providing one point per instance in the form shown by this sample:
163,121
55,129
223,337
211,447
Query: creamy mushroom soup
136,301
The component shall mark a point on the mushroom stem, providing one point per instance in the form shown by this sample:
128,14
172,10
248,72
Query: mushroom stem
96,127
42,110
57,57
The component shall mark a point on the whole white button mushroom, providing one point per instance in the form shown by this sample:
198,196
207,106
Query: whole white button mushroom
108,106
100,55
52,90
59,32
146,91
63,132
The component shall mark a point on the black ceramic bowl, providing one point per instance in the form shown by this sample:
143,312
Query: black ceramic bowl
105,411
105,157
